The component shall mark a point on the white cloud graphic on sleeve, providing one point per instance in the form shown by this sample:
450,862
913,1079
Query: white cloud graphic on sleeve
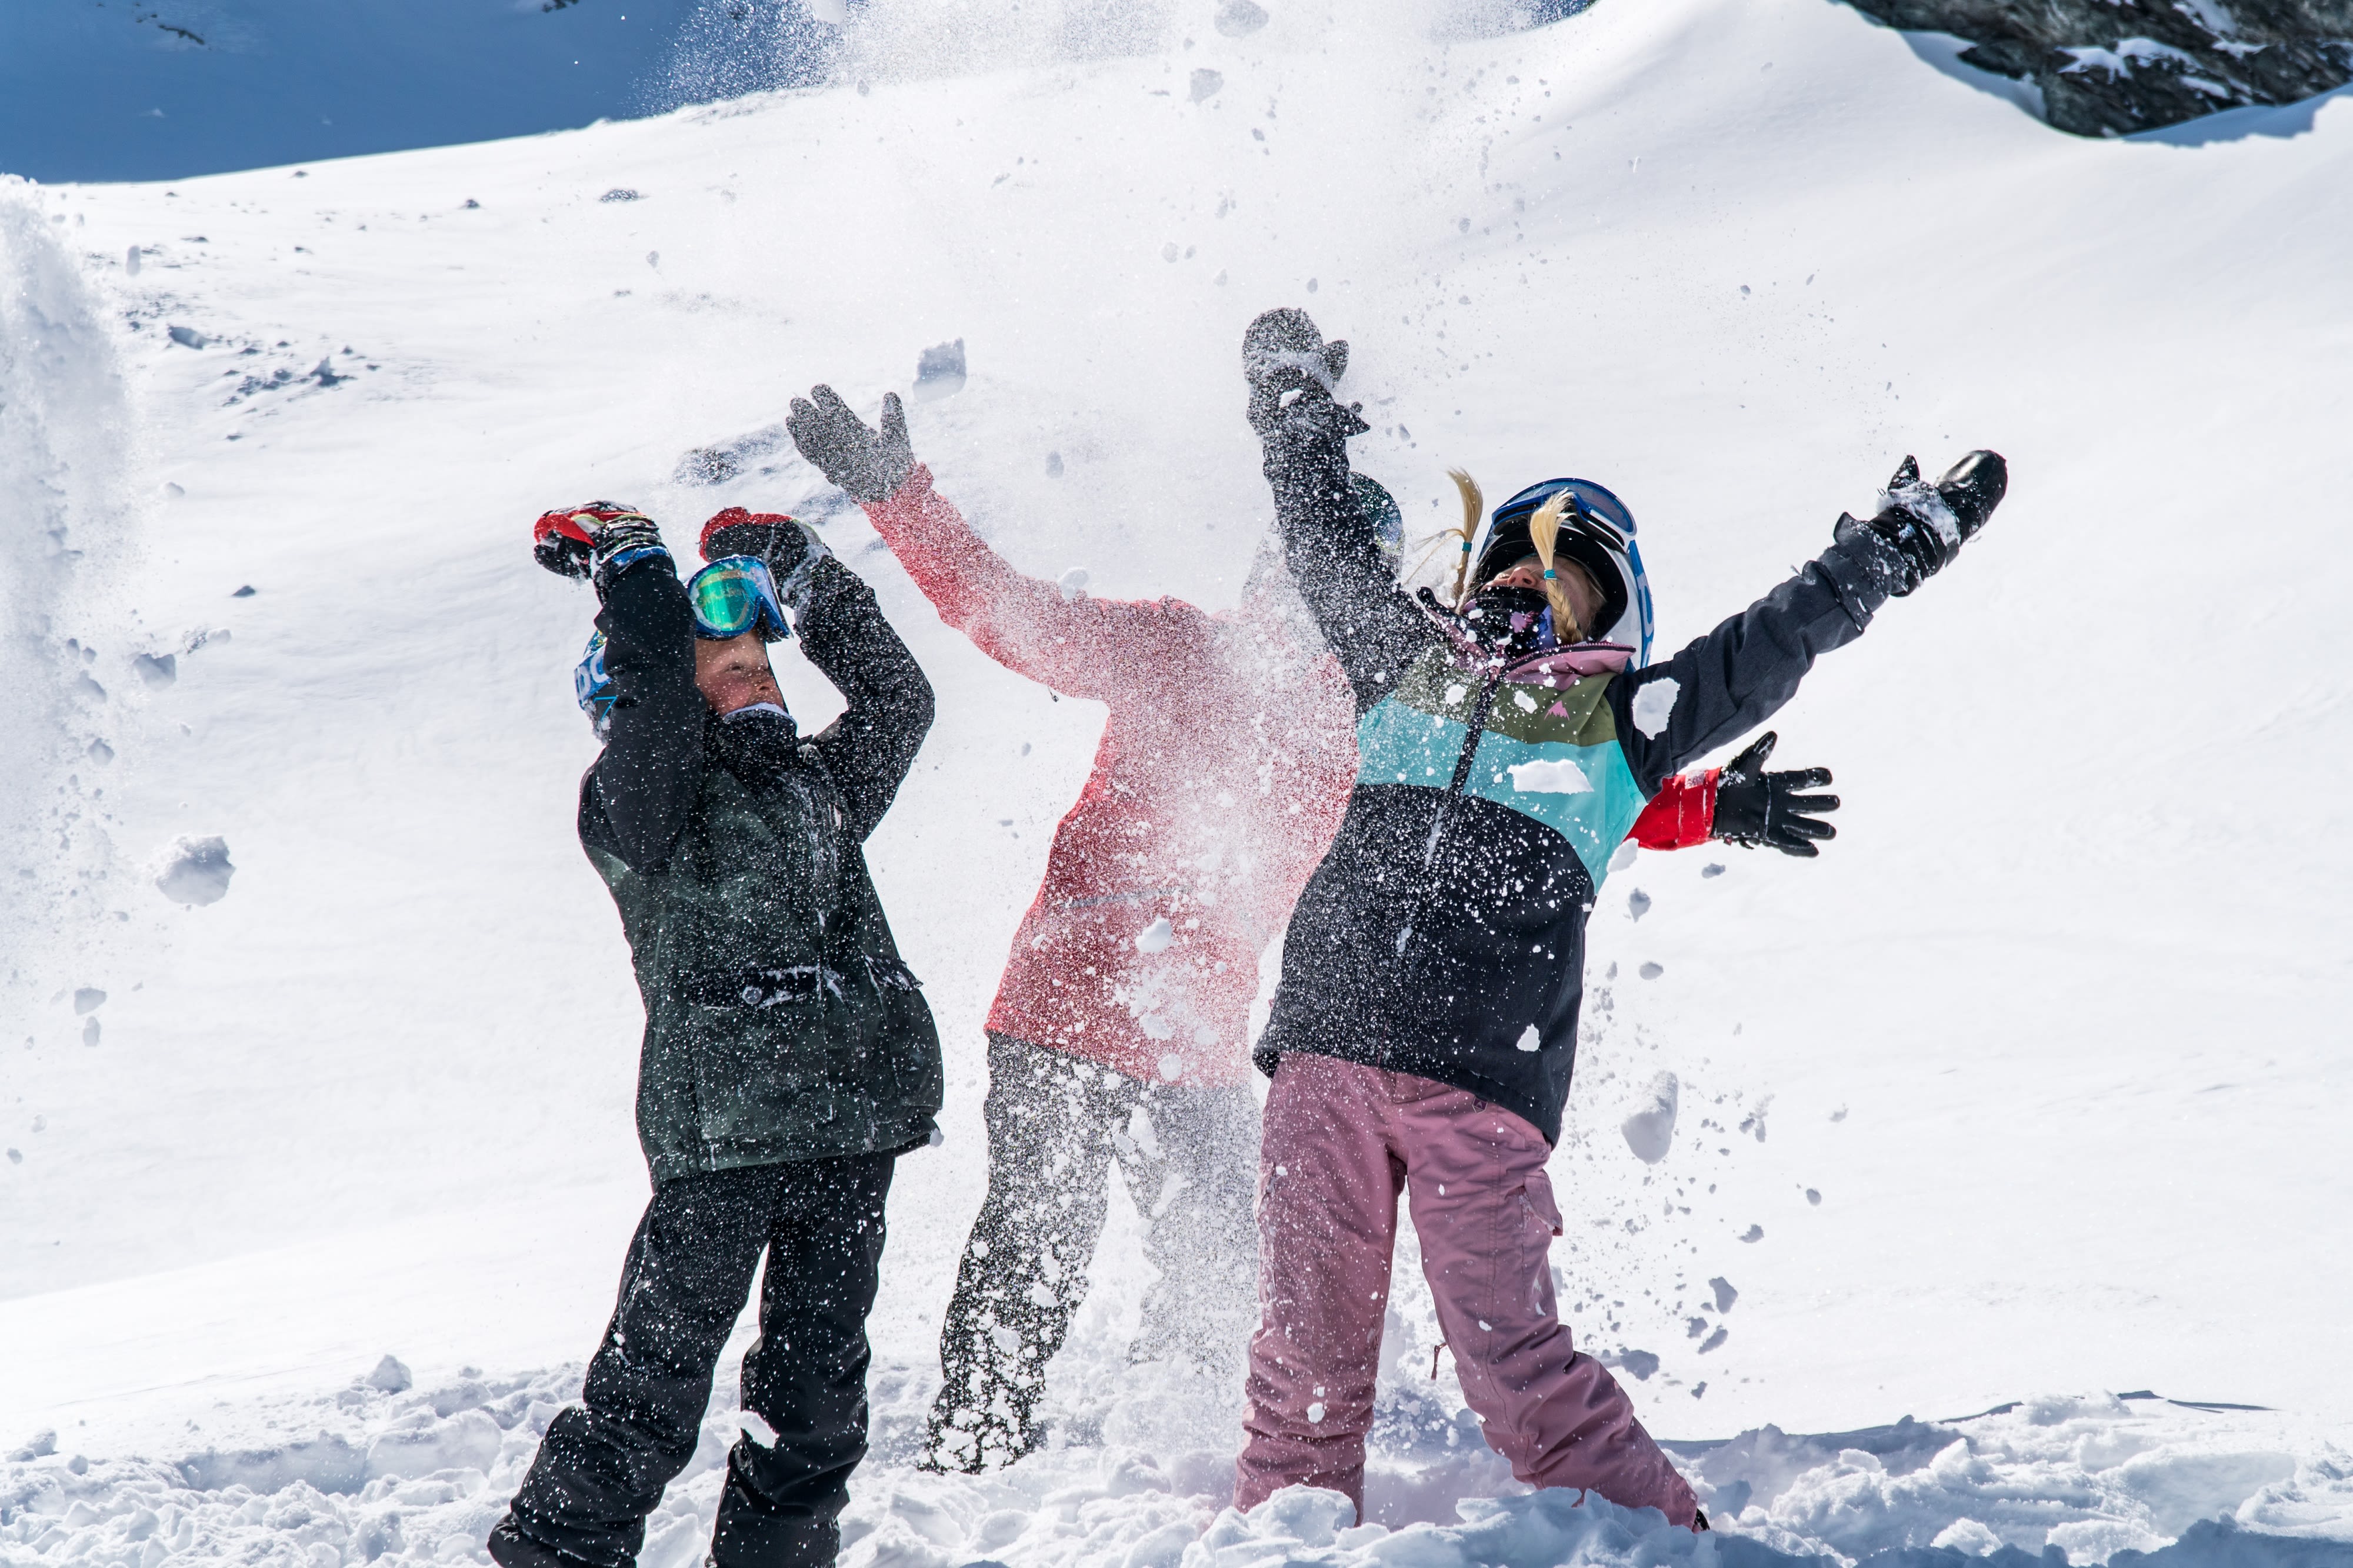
1654,703
1550,776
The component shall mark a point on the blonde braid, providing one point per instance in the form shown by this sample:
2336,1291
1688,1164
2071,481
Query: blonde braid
1543,533
1474,506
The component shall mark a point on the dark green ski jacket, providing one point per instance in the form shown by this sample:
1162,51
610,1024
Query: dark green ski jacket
781,1023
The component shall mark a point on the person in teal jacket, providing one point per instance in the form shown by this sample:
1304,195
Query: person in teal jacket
1423,1032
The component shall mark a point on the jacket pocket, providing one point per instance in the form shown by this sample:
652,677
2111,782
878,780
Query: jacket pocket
910,1040
770,1072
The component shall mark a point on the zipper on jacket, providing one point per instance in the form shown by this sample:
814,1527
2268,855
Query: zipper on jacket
1452,792
1455,786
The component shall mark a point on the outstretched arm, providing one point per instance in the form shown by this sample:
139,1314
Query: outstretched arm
1076,643
1739,675
868,751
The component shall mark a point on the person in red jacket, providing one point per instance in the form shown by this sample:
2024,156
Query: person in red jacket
1120,1028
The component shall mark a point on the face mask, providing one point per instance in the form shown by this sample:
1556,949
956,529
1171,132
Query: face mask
1513,621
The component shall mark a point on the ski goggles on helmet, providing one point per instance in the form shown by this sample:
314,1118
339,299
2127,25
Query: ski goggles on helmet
594,687
735,595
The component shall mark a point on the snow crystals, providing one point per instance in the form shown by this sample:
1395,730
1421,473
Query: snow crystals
196,870
940,372
1650,1129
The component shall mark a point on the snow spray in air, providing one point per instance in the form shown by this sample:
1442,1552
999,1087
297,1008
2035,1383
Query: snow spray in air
62,455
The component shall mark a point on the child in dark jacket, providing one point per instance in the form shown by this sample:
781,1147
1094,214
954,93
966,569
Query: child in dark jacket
1423,1033
789,1058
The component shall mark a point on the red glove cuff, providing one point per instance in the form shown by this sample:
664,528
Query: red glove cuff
1683,814
737,517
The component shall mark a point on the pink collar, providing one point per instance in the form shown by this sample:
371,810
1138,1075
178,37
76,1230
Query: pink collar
1567,666
1562,667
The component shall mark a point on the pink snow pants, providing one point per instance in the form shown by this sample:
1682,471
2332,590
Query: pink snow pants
1341,1142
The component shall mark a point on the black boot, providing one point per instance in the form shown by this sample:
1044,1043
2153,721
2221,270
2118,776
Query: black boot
510,1548
752,1534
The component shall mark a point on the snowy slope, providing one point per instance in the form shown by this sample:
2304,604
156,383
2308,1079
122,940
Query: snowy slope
2033,1083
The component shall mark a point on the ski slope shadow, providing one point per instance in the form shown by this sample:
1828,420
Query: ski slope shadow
2277,121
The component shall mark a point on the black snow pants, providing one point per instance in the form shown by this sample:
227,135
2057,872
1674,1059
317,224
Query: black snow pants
1055,1123
603,1465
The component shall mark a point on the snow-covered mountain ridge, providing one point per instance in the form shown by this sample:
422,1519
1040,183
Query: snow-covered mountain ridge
2052,1033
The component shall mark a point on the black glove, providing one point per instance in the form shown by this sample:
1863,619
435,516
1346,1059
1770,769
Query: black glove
1287,339
1928,525
790,549
1292,372
869,465
781,546
1754,808
594,540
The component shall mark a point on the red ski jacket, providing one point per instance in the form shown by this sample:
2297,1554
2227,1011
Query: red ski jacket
1225,768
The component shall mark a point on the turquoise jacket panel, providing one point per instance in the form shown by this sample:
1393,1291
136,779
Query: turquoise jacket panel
1585,794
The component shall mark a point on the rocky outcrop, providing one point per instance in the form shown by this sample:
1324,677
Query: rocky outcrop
2107,67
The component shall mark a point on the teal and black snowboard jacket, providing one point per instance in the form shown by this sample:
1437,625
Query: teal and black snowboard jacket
1444,935
781,1023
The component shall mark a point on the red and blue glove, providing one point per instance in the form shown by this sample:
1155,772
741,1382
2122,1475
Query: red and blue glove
595,539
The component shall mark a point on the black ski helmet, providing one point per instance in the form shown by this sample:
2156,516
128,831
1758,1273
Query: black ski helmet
1596,532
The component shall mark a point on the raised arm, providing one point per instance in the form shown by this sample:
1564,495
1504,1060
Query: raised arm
1077,644
1330,546
1738,676
635,799
869,749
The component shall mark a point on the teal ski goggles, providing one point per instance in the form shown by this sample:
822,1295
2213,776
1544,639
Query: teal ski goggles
735,595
